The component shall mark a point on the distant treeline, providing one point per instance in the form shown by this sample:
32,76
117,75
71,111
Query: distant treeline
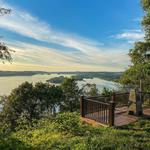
78,76
110,76
21,73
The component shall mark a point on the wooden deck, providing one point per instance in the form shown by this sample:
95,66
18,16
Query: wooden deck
121,117
147,112
124,119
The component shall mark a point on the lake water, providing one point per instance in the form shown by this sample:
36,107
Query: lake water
100,83
9,83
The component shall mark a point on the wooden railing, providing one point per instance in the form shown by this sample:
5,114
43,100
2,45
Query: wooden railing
121,99
104,108
99,111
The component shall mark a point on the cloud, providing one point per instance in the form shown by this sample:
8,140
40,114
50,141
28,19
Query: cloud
27,25
82,53
49,59
131,35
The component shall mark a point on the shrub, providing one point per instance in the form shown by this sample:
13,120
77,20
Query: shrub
70,123
66,131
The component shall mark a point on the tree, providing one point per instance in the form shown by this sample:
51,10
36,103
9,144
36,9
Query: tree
90,90
2,102
71,95
50,96
4,50
20,102
106,91
140,67
31,102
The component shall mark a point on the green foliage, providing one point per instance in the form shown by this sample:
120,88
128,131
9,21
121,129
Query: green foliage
80,76
70,123
137,54
90,90
136,72
31,102
11,143
66,131
56,80
20,101
71,95
140,68
106,91
146,4
50,96
110,76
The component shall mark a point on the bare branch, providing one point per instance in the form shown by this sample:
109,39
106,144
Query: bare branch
4,50
5,53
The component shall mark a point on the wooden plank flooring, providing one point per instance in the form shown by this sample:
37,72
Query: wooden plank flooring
147,111
125,119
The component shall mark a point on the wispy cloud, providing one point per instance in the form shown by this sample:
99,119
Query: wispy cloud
25,24
54,60
131,35
85,54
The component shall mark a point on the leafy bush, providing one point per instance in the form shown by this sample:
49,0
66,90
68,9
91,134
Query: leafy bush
70,123
30,102
66,131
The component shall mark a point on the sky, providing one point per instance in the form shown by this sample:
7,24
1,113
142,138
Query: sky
70,35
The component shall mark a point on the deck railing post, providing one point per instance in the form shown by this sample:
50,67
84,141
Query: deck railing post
112,113
82,106
112,110
113,97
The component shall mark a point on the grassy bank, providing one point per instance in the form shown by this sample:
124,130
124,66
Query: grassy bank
66,131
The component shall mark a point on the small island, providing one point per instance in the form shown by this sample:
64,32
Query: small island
80,76
56,80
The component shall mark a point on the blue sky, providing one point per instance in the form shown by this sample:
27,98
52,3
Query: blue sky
71,35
